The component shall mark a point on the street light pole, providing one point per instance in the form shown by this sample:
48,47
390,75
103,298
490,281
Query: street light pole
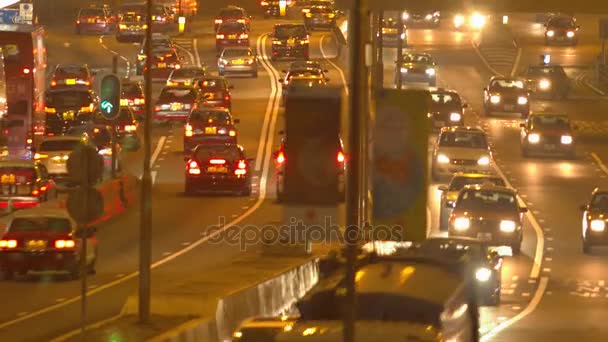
145,242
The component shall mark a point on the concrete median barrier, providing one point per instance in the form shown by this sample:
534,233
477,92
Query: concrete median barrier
498,48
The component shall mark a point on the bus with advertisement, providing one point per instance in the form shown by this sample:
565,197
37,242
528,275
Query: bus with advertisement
25,62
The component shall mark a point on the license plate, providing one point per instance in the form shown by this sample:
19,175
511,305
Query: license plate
232,36
484,236
91,21
238,62
209,96
176,106
58,162
217,169
36,245
550,147
68,116
210,130
291,42
162,65
509,107
70,81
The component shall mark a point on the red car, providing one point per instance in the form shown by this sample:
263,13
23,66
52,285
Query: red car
95,20
45,240
68,75
232,14
24,184
132,95
216,92
209,125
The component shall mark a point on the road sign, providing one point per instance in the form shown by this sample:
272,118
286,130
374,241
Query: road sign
110,96
85,204
26,12
85,165
9,16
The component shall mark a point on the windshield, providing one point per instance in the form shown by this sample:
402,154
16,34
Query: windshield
487,200
58,145
561,22
131,90
17,175
320,10
304,72
600,201
550,121
289,31
229,152
211,117
92,12
507,84
446,100
72,99
305,65
452,249
546,72
70,70
463,139
458,183
237,53
232,27
40,224
177,94
389,23
423,59
305,82
187,73
231,13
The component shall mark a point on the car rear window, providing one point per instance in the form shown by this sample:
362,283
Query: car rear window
17,175
187,72
459,183
58,145
228,152
40,224
304,72
211,84
600,201
231,13
69,99
210,117
177,94
131,90
132,18
91,12
445,99
423,59
232,27
288,31
70,70
463,139
236,53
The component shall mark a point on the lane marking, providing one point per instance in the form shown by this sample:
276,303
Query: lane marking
159,147
342,76
192,59
542,286
599,162
197,56
126,60
516,63
153,175
261,197
483,60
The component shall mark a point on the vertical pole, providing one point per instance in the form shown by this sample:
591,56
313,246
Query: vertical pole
145,242
114,151
84,184
115,64
380,65
399,51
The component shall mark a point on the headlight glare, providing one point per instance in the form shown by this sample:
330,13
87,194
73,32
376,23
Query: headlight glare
550,33
544,84
566,139
455,117
404,70
495,99
522,100
443,159
462,223
430,71
483,274
533,138
597,225
507,226
483,161
570,34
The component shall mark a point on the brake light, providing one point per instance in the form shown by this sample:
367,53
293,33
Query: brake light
38,156
87,109
263,3
281,158
8,244
219,36
232,133
61,244
188,130
341,158
227,98
26,71
138,101
242,21
36,193
193,168
130,128
43,188
53,83
244,36
242,164
157,108
29,141
50,110
217,161
78,22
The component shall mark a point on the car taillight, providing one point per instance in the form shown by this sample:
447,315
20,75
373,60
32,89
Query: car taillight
53,83
65,244
188,130
29,141
8,244
226,97
232,133
242,168
38,156
157,108
218,21
193,168
78,22
138,101
219,36
130,128
341,158
43,188
242,21
36,193
263,3
26,71
217,161
244,36
281,158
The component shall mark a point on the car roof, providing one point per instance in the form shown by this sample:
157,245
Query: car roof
61,137
17,163
288,25
68,90
443,91
472,129
489,187
42,212
475,175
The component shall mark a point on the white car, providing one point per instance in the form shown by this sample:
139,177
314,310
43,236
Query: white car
185,76
461,149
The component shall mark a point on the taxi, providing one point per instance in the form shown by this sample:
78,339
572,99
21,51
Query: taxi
132,95
205,125
232,14
506,95
176,103
131,28
417,68
186,76
490,213
547,81
160,42
164,62
461,149
290,41
561,29
220,167
66,107
94,20
547,134
446,108
272,8
216,91
390,33
125,127
41,240
320,18
449,193
24,184
72,75
231,34
595,217
241,60
162,19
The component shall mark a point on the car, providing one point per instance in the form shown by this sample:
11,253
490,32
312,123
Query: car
66,107
232,14
176,103
45,239
94,20
100,137
290,41
320,18
72,75
221,167
547,134
390,33
490,213
446,108
164,63
561,29
132,95
547,81
216,91
231,34
25,184
53,153
241,60
270,8
131,28
301,72
206,125
485,264
422,19
262,327
306,81
280,157
161,43
186,76
125,127
472,20
461,149
506,95
417,68
162,19
449,193
595,216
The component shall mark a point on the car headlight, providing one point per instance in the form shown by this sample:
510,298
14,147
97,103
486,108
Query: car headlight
522,100
455,117
443,159
404,70
430,71
478,20
462,223
495,99
507,226
566,139
405,16
483,161
570,34
550,33
544,84
533,138
428,17
483,274
458,20
598,225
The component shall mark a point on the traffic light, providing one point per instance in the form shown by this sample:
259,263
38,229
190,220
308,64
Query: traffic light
314,160
110,96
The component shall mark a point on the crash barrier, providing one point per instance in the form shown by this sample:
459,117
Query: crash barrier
498,35
269,298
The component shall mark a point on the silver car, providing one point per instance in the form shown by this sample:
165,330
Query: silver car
186,76
238,60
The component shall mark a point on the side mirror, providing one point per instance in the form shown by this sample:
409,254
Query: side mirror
584,207
236,121
443,188
522,125
523,210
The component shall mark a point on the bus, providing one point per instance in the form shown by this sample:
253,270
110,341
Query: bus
24,58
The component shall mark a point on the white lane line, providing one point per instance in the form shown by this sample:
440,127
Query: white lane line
483,60
516,64
192,59
197,56
128,71
153,174
168,258
599,162
594,88
542,286
159,147
342,76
